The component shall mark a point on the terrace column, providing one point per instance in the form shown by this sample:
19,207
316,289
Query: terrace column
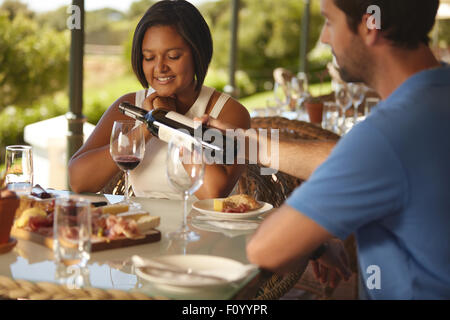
75,116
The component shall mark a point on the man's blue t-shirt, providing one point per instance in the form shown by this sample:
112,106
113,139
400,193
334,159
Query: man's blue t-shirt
388,180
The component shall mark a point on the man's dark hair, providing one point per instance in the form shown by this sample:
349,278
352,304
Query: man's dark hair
190,25
406,23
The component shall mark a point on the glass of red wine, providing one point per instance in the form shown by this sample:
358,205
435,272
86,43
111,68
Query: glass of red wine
127,148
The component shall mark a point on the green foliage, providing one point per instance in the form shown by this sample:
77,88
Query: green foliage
269,35
11,132
15,7
138,8
34,60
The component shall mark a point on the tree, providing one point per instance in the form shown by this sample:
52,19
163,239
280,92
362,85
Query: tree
14,7
34,60
138,8
269,35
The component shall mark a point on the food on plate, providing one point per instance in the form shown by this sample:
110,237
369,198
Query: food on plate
40,192
238,203
27,214
147,223
114,208
108,222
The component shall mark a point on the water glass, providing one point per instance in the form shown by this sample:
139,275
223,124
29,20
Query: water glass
72,231
19,169
330,117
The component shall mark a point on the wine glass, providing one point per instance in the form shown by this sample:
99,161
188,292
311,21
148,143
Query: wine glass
185,171
300,94
344,101
357,92
127,148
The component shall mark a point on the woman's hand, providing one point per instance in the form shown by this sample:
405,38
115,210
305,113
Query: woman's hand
333,265
154,101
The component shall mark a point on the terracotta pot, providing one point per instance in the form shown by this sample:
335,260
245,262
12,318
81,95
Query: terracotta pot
8,207
315,110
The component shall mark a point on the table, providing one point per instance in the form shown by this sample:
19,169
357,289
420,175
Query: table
111,269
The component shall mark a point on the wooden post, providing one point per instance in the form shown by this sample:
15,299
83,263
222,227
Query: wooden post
231,88
305,37
75,116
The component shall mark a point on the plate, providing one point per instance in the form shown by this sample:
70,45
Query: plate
228,268
207,207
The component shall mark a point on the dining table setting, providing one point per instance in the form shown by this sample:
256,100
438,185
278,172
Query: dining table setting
58,244
214,266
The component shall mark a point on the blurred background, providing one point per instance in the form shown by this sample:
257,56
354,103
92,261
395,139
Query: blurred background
35,45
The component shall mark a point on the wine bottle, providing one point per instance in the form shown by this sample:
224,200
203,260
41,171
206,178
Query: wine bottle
165,124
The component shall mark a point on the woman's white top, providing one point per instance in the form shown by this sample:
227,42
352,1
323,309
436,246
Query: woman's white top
149,179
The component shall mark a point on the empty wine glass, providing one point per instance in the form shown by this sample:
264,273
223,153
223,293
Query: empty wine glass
185,171
300,93
127,148
357,92
344,101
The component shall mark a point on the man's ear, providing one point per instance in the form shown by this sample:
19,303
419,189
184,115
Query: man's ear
370,29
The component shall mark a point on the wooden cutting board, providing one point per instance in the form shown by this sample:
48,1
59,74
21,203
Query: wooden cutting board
153,235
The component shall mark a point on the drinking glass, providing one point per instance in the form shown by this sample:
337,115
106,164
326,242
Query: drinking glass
185,171
72,231
300,93
127,148
330,120
357,92
19,169
344,102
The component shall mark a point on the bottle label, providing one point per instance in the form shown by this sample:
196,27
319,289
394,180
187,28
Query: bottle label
181,119
166,133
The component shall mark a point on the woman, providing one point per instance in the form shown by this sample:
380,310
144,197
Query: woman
172,49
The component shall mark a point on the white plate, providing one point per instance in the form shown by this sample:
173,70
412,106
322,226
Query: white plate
201,263
207,207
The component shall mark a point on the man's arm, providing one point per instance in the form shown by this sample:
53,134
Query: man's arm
286,239
298,158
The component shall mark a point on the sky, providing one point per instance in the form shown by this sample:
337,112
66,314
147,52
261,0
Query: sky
47,5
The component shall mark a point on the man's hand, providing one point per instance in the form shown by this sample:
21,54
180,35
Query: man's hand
333,265
154,101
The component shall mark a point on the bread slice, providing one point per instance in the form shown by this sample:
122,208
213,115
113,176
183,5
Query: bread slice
146,223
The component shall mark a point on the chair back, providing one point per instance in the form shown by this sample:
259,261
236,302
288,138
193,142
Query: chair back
277,187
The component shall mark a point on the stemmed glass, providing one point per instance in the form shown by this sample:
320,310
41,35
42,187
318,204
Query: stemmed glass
357,92
300,93
127,148
344,101
185,171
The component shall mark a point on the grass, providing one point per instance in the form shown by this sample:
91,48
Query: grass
259,100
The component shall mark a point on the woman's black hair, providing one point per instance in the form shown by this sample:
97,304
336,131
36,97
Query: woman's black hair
191,26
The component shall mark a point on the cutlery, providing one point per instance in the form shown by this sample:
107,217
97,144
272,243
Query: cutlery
156,265
188,271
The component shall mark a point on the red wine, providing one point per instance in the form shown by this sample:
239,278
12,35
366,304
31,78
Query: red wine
127,162
165,124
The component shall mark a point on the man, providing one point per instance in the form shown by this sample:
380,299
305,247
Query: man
388,179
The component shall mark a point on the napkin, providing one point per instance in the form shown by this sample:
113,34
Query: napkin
205,226
231,225
226,274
